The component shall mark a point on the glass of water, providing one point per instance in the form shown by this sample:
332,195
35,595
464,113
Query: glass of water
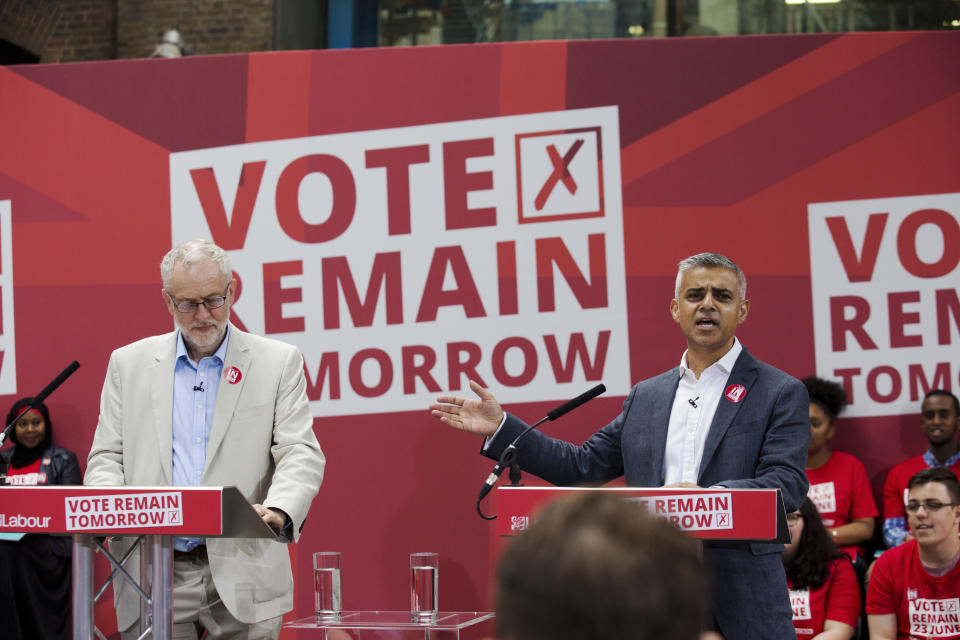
326,582
423,586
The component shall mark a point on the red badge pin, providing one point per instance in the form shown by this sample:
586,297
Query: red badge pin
233,375
735,392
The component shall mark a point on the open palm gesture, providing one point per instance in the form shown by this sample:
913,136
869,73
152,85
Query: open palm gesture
481,415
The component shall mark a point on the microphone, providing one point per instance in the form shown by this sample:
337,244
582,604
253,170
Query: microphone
693,401
200,387
50,388
570,405
40,397
509,454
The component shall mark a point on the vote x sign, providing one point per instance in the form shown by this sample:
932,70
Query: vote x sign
559,175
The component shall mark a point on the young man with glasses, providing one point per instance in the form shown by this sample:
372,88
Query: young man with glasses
914,591
940,421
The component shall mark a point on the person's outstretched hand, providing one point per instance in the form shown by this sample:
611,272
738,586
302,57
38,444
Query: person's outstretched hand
481,415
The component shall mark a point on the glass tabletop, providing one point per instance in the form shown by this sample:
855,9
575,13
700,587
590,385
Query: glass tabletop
392,620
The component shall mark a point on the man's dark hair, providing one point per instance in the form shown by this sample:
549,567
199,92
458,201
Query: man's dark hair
810,566
598,566
944,476
944,392
712,261
826,394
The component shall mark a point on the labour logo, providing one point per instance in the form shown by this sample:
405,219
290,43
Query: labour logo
559,175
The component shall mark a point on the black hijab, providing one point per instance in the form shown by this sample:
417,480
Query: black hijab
22,456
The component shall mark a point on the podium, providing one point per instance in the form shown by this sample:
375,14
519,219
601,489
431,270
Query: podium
155,514
745,515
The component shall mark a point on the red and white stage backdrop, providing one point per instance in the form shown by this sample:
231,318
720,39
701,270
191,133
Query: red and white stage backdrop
514,213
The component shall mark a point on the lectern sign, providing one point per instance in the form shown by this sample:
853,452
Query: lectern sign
124,511
120,510
694,512
752,515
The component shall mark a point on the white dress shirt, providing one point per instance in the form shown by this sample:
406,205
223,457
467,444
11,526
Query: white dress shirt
693,408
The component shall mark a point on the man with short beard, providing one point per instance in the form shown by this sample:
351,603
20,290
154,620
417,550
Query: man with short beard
211,405
721,418
940,419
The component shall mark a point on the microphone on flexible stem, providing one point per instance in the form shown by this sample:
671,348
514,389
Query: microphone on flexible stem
509,456
40,397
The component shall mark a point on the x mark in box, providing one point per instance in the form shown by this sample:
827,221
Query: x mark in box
559,175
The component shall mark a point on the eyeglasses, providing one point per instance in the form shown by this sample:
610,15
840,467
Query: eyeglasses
793,518
930,506
190,306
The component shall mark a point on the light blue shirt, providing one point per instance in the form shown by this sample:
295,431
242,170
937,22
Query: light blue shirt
192,417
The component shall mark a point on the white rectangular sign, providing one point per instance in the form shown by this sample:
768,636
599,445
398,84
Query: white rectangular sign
886,312
125,511
8,352
404,261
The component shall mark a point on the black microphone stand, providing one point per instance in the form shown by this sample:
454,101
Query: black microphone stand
509,456
40,397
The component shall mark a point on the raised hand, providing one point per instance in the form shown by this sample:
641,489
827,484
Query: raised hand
481,415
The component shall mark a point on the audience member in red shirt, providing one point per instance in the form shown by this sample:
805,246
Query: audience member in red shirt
940,418
839,486
824,592
915,588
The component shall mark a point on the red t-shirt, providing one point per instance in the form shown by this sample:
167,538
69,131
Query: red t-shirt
841,491
895,488
28,475
837,599
926,606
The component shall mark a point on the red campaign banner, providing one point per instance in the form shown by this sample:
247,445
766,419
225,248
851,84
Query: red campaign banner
114,510
516,216
710,514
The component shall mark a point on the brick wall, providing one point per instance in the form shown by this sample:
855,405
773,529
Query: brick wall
81,30
86,30
206,26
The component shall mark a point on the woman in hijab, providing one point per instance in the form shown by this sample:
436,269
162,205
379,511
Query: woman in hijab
35,568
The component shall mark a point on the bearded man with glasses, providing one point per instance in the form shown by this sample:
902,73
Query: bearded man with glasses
211,405
914,591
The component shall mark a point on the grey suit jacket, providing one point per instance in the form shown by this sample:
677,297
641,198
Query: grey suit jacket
759,442
261,441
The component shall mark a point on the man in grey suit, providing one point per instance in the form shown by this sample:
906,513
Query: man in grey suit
720,419
211,405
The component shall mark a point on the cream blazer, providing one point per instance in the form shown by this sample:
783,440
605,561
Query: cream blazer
261,441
